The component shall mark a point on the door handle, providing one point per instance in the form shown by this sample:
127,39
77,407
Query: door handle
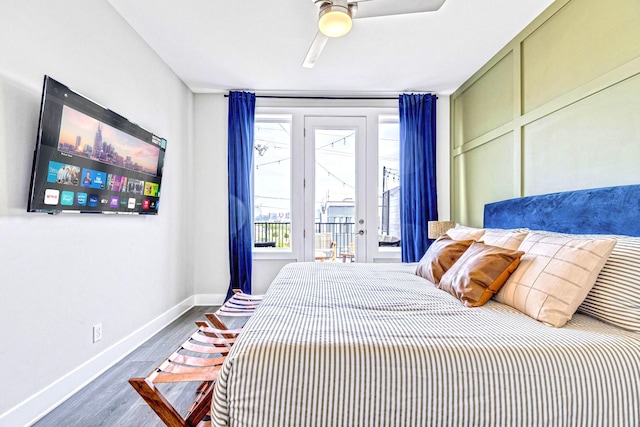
361,232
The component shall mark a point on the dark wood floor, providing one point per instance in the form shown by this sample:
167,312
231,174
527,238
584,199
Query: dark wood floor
110,400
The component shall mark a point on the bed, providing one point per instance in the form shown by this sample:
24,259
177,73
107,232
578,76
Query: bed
375,344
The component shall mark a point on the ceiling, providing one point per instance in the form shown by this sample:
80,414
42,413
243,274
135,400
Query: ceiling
259,45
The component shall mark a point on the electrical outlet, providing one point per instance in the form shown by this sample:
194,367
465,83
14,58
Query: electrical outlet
97,332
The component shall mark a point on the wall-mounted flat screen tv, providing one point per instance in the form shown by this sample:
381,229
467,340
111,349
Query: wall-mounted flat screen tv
89,159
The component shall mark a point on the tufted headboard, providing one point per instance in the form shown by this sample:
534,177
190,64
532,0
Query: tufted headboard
608,210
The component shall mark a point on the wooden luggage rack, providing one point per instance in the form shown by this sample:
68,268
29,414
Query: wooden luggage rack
240,304
198,359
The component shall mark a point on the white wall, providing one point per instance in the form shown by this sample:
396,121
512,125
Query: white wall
211,241
443,149
62,274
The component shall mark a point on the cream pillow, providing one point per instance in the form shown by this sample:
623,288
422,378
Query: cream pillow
615,296
462,232
555,275
503,238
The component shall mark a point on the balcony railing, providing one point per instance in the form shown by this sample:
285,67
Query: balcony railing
272,234
342,234
278,234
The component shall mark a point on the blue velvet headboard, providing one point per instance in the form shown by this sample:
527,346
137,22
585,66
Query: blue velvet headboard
609,210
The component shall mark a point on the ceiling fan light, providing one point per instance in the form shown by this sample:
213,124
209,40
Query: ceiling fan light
335,21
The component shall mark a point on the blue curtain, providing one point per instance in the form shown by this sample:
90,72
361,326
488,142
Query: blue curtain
242,106
418,203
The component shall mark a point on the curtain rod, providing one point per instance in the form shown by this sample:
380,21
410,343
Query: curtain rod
322,97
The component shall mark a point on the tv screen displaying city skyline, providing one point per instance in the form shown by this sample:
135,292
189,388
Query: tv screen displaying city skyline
90,159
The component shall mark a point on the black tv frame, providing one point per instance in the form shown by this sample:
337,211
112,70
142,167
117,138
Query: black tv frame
118,175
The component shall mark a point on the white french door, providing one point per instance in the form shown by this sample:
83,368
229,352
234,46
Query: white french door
326,187
335,190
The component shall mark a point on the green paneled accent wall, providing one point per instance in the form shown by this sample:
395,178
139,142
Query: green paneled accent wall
584,40
556,109
494,92
473,191
601,145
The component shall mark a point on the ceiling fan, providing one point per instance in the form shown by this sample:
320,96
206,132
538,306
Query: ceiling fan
334,18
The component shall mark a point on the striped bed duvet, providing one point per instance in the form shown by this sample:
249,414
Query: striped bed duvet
375,345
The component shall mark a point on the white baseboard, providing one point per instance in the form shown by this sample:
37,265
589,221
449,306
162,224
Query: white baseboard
209,299
60,390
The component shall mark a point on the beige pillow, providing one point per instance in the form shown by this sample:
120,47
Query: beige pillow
503,238
555,275
480,273
440,256
462,232
615,296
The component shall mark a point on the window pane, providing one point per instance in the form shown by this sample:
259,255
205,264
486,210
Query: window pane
389,182
272,183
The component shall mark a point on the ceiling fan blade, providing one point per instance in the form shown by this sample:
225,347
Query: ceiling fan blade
315,50
372,8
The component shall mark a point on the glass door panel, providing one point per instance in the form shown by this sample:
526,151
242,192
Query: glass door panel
335,196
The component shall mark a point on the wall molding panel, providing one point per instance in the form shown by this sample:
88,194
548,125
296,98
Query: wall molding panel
573,90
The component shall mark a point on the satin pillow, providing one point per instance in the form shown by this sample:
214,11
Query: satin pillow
480,273
440,256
